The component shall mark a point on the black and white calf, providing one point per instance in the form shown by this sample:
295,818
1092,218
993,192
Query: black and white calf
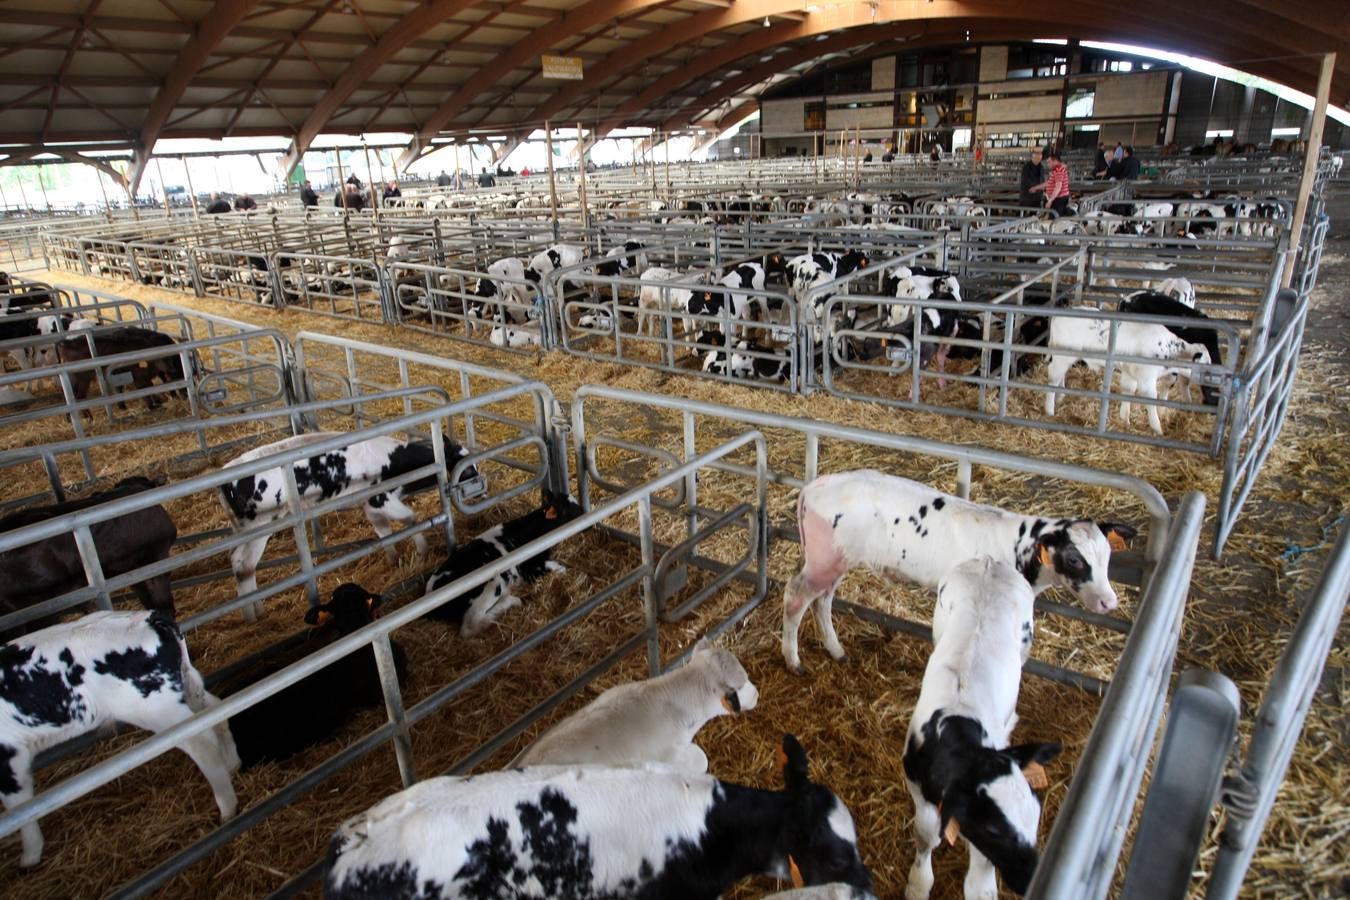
962,774
657,296
622,260
559,256
650,721
474,612
809,271
1167,303
501,297
72,678
750,361
262,498
1075,337
591,832
908,531
746,275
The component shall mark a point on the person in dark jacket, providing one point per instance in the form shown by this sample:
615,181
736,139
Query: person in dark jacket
354,181
443,180
391,191
1130,165
218,204
307,195
486,179
1033,173
245,203
1100,165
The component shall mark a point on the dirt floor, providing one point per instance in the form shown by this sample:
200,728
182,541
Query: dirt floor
850,716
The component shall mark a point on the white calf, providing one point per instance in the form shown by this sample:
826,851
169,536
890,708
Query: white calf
70,679
650,721
961,773
1133,339
908,531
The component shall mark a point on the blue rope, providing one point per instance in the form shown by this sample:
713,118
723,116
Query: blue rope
1294,551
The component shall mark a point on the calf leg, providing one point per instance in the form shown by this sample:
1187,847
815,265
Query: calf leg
1148,388
383,508
207,750
823,612
1058,368
927,835
244,561
980,883
821,572
20,770
155,594
493,599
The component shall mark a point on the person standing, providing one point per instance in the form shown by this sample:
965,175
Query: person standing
391,191
1129,168
308,197
1119,153
218,205
443,180
1033,175
1100,165
1056,186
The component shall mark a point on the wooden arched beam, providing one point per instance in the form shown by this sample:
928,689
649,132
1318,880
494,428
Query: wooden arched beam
403,32
1078,18
219,21
18,159
588,15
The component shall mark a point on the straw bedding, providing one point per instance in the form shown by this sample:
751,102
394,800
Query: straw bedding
851,716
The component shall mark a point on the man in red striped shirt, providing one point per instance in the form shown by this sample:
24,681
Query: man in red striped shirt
1056,186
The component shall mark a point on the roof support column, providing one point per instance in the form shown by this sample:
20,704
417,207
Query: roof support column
1310,157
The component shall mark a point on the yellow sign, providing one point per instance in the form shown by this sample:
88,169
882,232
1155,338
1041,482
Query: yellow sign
567,67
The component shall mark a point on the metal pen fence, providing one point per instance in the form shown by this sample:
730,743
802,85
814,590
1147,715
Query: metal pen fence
1078,862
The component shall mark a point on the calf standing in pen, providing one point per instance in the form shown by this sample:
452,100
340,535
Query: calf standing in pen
476,611
53,566
71,679
309,711
908,531
165,367
961,773
592,832
1085,340
650,721
259,499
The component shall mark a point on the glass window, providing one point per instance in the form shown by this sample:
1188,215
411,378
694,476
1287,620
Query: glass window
1080,103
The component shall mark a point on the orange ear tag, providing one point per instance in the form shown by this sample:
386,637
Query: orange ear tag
796,873
1036,777
1116,541
551,512
1046,558
952,832
726,704
324,617
780,759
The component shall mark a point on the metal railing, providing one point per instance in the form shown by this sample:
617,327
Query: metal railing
1249,795
1078,862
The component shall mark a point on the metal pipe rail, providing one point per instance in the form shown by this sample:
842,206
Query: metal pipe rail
1078,862
1249,795
377,636
1127,567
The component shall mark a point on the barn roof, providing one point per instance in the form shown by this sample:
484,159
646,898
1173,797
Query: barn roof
129,72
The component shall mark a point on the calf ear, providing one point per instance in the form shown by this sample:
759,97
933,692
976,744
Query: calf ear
1117,534
792,763
318,615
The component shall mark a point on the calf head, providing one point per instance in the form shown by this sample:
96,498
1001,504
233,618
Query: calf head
726,676
485,287
818,837
851,261
558,507
351,607
1075,555
982,793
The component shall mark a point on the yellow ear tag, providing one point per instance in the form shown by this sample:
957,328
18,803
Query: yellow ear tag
952,832
1116,541
324,617
1046,558
796,873
551,512
1036,777
780,759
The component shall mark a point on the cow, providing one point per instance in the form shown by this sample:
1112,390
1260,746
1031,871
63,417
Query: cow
748,360
622,260
908,531
52,566
1075,337
593,831
513,338
254,500
1163,303
961,772
504,290
650,721
312,709
165,367
475,611
656,296
71,679
559,256
926,283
